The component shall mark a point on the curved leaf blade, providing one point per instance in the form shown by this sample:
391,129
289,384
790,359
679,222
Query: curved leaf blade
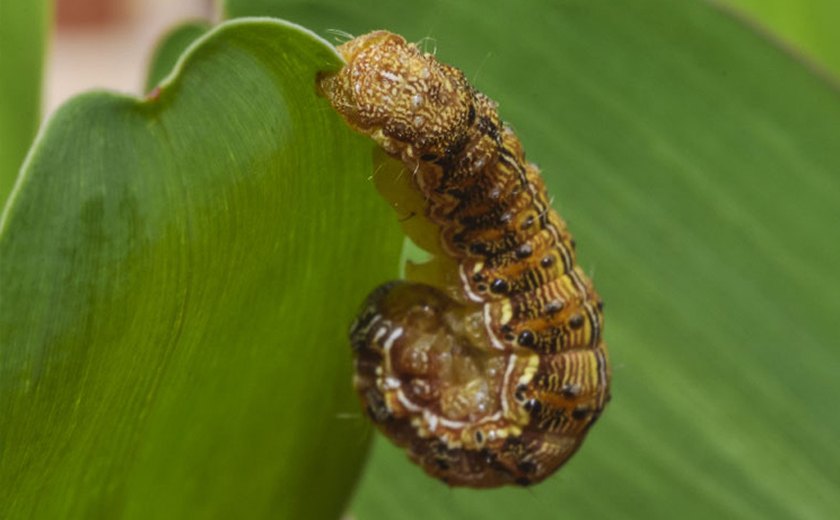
169,50
176,297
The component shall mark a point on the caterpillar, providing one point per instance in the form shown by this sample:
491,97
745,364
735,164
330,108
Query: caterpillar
486,364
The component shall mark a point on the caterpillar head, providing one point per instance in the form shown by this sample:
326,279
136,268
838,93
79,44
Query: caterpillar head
400,96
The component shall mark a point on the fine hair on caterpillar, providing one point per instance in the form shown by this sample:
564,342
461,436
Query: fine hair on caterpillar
487,364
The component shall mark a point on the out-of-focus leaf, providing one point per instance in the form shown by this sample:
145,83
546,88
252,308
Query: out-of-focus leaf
699,169
177,286
809,26
23,29
170,48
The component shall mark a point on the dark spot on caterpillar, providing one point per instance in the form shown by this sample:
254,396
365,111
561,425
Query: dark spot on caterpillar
519,394
378,414
499,286
488,457
554,306
526,466
533,406
580,413
415,342
526,338
524,251
570,390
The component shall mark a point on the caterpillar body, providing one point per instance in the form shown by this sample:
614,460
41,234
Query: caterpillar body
487,364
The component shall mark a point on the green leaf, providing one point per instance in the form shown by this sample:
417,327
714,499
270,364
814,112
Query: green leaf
810,26
170,48
699,169
23,29
179,273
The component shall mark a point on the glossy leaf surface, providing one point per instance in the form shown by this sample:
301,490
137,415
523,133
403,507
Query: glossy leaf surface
179,273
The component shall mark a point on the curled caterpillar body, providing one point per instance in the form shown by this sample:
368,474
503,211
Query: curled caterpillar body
488,364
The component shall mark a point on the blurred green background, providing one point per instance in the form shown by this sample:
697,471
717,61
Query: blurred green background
698,165
808,28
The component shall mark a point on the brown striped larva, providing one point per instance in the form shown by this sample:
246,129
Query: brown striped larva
487,365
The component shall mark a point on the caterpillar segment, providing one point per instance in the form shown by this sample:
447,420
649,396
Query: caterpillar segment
487,365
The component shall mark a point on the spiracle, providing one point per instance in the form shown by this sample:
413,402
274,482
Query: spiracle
487,364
